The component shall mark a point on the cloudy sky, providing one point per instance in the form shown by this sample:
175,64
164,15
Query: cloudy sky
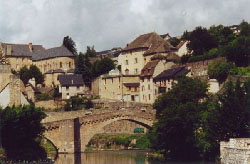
110,23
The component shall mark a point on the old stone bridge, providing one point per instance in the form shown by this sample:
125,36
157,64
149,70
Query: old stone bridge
70,132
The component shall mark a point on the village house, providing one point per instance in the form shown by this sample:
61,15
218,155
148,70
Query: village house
116,86
125,85
182,48
166,79
72,85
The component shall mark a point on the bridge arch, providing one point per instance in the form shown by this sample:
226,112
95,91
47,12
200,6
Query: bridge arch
73,135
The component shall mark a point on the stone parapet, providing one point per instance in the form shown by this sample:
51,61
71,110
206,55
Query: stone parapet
235,151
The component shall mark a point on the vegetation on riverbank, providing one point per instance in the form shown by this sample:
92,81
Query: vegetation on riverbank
21,132
191,123
119,141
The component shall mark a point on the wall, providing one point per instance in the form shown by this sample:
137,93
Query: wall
18,62
54,63
132,64
111,87
235,151
72,91
147,86
199,69
122,126
50,104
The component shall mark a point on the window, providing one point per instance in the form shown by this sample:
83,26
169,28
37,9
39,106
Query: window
69,64
149,97
126,62
136,71
136,60
148,86
67,88
60,64
135,89
105,82
126,71
148,79
112,80
78,88
145,60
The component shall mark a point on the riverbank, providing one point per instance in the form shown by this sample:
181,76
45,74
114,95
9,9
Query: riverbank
118,142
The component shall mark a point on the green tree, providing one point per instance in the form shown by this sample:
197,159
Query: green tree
83,66
244,28
201,41
25,75
37,74
178,113
238,51
90,52
220,70
33,72
21,132
102,66
70,44
227,117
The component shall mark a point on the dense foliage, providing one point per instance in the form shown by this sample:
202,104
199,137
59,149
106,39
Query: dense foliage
33,72
220,70
191,124
77,103
70,44
219,41
227,117
91,71
178,113
21,132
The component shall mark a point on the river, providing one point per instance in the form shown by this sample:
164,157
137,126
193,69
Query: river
113,157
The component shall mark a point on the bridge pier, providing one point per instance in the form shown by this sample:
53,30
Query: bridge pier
65,137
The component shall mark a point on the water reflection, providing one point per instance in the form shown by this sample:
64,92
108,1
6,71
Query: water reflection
110,157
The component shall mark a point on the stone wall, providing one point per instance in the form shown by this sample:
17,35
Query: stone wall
199,69
50,104
115,105
122,126
235,151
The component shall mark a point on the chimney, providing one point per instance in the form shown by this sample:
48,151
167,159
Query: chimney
30,47
9,50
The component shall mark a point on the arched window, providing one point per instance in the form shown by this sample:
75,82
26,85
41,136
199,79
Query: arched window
126,71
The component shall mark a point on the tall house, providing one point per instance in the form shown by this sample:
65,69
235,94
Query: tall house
139,52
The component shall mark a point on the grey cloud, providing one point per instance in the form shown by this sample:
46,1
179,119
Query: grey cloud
110,23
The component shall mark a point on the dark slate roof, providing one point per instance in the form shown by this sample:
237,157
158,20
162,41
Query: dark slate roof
22,50
171,73
52,53
55,71
71,80
131,84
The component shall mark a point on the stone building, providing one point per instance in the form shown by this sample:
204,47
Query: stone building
19,55
51,62
166,79
72,85
116,86
148,90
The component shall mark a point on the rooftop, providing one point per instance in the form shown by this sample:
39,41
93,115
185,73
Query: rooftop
21,50
171,73
51,53
149,68
71,80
